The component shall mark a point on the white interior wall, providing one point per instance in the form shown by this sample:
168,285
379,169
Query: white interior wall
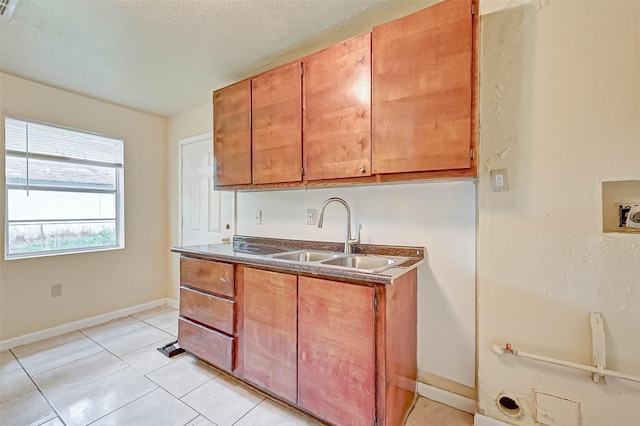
560,109
191,123
99,282
437,215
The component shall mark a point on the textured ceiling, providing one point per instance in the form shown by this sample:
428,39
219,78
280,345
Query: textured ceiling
166,56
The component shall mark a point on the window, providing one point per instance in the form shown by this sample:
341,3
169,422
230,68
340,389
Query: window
63,190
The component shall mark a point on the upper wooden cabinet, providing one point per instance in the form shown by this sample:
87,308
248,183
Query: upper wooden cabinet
422,90
232,134
276,124
337,111
399,103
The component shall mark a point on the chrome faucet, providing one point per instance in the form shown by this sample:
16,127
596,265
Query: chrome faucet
348,242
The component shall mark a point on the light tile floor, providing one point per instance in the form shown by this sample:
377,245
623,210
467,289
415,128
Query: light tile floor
112,374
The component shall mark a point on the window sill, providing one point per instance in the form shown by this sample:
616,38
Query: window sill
60,253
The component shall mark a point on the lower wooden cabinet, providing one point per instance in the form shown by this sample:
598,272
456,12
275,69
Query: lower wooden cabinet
336,351
269,335
343,352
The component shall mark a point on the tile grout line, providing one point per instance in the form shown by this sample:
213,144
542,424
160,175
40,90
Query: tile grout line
130,331
193,390
198,414
57,414
116,335
104,377
130,402
25,372
86,384
120,356
252,408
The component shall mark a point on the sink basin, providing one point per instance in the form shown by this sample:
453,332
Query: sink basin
305,255
360,262
365,262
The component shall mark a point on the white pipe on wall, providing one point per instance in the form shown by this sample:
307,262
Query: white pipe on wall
600,371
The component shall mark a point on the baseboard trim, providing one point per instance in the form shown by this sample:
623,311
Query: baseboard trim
461,403
172,303
25,339
480,420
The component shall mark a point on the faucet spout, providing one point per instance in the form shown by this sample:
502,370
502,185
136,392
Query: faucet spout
348,242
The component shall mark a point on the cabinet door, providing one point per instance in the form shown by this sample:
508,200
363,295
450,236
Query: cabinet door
337,111
232,134
276,125
336,351
422,90
269,331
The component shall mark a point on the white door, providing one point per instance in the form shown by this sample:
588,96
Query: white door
207,215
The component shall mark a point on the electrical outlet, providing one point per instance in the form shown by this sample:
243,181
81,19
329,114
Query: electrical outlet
311,216
499,180
257,217
56,290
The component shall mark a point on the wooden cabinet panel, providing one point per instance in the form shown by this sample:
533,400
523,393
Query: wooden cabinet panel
213,347
232,134
276,125
212,311
270,331
336,355
397,346
208,276
422,82
337,111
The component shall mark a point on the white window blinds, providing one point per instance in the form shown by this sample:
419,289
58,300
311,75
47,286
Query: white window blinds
37,140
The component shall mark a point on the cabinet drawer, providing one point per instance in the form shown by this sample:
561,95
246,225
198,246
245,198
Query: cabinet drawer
208,276
212,311
209,345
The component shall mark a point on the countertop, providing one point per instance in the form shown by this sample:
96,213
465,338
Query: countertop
255,251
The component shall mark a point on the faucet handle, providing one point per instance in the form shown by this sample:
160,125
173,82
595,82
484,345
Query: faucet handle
357,240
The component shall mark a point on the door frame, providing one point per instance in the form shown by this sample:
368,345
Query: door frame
181,144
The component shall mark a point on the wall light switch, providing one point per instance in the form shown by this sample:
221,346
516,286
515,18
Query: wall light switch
499,180
257,217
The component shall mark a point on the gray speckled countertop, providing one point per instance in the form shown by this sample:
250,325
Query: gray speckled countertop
255,251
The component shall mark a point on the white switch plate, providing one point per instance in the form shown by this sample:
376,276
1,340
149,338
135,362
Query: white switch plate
311,216
499,180
257,217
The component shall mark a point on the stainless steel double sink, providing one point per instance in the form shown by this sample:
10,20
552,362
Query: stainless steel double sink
358,262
